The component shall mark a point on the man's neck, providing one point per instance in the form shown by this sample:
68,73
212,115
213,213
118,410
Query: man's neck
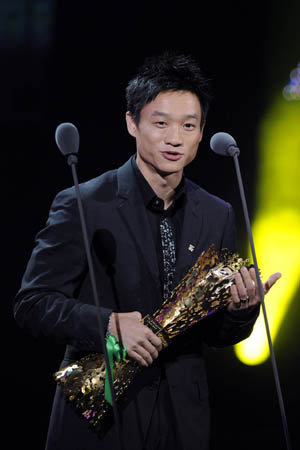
163,185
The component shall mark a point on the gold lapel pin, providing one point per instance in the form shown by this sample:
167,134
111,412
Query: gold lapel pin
191,247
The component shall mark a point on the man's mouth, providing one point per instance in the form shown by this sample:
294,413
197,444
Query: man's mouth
172,155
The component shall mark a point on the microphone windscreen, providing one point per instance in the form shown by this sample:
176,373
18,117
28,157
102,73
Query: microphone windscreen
224,144
67,138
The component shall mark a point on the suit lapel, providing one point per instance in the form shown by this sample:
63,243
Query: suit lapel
191,231
131,208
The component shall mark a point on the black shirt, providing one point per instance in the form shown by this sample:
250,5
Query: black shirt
155,212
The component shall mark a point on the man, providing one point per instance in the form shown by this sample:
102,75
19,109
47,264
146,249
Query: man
143,221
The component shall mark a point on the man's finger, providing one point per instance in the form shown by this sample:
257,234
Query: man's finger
248,281
271,280
236,303
241,288
135,355
155,341
150,349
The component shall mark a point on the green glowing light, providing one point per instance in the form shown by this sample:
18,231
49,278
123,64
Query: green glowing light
276,228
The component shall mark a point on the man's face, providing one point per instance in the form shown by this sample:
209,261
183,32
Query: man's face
168,133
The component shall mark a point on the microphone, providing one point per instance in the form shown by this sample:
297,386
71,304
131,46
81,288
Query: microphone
224,144
67,140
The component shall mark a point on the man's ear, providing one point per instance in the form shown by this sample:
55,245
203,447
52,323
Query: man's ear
202,129
202,125
131,125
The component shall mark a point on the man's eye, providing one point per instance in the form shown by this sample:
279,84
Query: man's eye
160,123
189,126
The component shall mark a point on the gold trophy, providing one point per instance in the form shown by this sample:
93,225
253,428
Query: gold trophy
204,289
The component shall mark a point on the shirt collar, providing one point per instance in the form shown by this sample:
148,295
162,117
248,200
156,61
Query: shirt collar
148,195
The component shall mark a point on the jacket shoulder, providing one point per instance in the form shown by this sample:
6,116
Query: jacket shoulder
206,198
99,188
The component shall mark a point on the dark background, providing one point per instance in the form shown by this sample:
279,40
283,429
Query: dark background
70,61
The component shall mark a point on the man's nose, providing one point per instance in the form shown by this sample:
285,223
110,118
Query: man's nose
173,137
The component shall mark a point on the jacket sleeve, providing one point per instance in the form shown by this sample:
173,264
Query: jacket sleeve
47,303
225,328
222,328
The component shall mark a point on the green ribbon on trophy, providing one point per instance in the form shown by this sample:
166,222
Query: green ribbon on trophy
116,351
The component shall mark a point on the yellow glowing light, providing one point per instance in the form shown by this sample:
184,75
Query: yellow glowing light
276,228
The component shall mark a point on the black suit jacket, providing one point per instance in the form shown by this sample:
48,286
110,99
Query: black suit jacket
56,299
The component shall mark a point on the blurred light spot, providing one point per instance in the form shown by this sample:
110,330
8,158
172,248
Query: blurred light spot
276,228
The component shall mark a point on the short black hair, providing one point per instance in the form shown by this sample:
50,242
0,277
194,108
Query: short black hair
167,72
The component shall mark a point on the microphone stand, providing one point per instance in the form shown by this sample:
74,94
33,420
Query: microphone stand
72,161
261,295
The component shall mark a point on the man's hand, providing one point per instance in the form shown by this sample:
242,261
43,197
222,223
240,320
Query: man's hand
245,291
140,342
